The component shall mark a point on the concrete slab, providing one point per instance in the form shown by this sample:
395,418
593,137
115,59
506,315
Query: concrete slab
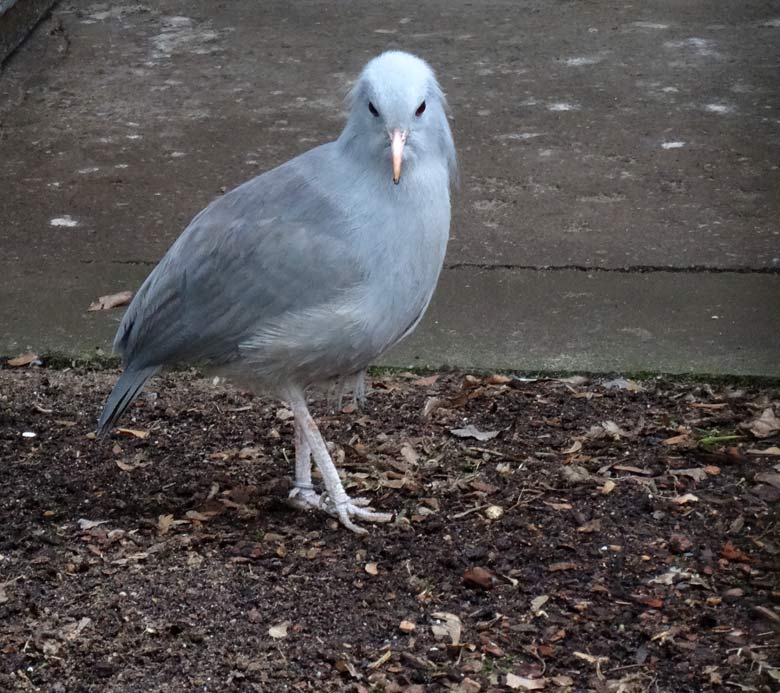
629,138
554,320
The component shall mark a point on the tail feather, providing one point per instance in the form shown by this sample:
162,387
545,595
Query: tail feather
125,391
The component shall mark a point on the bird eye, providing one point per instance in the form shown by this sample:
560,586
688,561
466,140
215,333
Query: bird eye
373,110
420,109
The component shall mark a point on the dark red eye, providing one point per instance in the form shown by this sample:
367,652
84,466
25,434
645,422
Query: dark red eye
373,110
420,109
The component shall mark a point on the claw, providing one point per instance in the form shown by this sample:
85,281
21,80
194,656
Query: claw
305,499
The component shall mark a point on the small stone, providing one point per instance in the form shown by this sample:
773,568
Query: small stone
494,512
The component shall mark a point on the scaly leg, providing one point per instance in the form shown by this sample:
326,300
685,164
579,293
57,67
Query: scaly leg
303,495
338,503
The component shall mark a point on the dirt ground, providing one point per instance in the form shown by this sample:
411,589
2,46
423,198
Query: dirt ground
594,536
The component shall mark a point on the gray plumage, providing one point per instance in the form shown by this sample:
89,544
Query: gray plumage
307,273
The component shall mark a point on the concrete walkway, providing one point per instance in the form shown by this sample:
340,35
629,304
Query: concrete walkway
620,192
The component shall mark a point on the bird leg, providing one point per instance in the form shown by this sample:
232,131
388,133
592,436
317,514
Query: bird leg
303,495
337,503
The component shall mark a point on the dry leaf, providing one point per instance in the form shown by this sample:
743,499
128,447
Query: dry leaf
732,553
136,433
687,498
562,681
774,451
590,527
90,524
695,473
608,487
765,425
111,301
23,360
497,379
557,567
425,382
771,478
472,431
409,454
523,683
450,626
164,523
372,569
682,439
538,602
576,446
279,631
431,405
481,577
558,506
406,626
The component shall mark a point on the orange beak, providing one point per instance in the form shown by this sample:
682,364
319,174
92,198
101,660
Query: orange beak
397,140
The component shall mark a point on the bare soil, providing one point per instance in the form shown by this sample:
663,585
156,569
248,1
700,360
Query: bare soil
609,537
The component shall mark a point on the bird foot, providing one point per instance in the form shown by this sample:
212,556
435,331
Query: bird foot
308,499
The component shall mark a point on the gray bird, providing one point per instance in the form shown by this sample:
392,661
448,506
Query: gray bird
304,275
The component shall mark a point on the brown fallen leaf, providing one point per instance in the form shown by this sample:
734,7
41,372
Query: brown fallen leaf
372,569
562,681
682,439
111,301
590,527
425,382
557,567
576,446
23,360
481,577
732,553
765,425
406,626
498,379
136,433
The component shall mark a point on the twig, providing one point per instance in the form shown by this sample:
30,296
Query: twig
494,453
468,512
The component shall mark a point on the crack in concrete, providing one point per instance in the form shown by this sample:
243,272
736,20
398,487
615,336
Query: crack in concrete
146,263
630,269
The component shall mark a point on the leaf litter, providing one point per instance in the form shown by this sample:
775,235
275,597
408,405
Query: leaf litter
592,503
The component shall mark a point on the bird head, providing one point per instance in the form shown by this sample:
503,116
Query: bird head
398,116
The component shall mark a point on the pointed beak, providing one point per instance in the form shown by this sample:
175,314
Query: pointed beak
397,140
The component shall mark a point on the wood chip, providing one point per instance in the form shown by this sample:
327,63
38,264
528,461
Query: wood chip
136,433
